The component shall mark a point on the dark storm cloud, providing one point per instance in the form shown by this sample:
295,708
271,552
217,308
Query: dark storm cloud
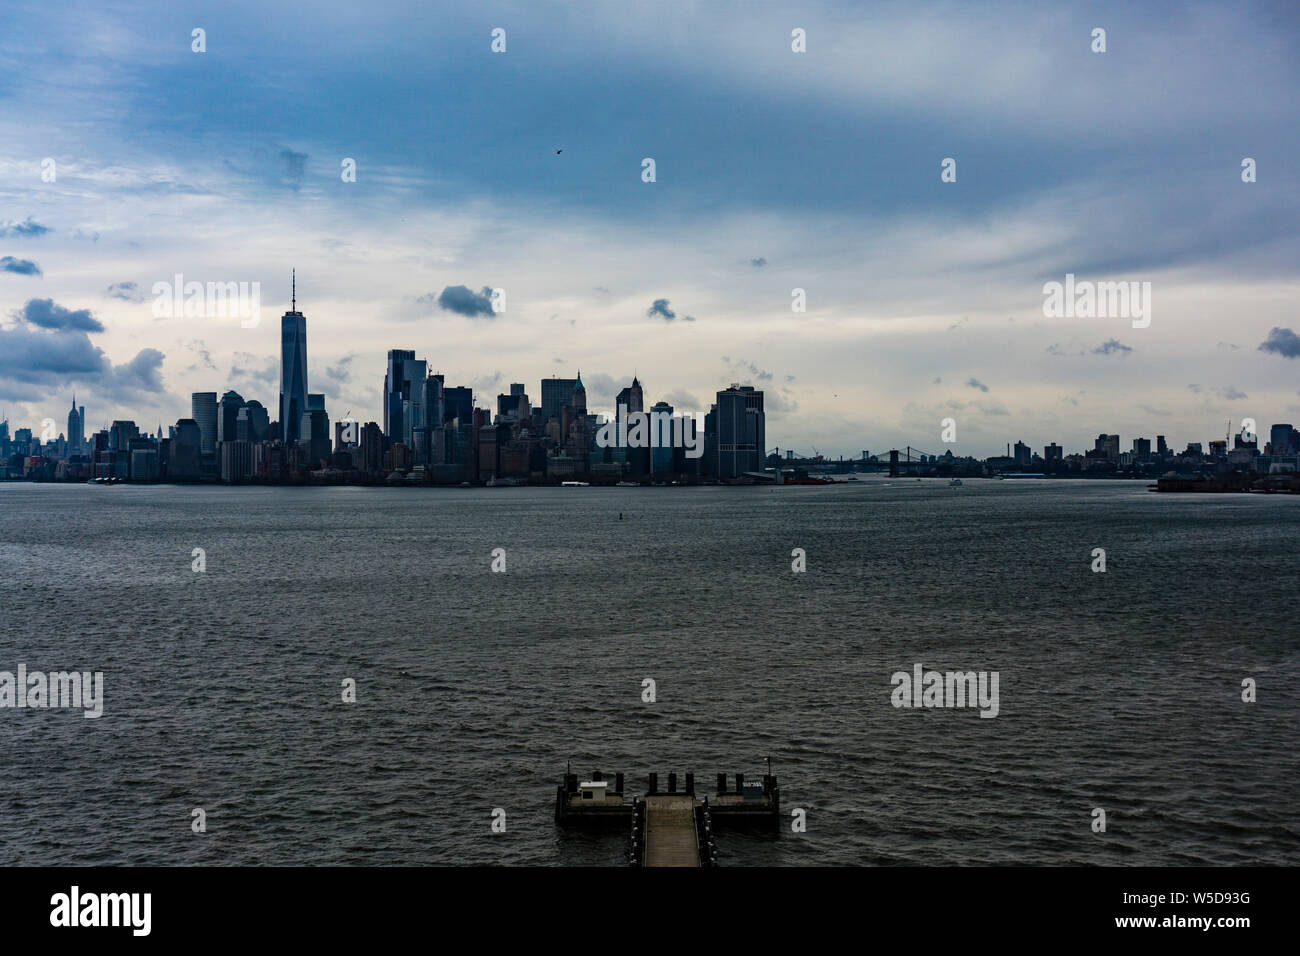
1282,342
660,308
47,314
464,301
51,358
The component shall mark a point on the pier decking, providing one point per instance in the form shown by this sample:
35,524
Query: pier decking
670,831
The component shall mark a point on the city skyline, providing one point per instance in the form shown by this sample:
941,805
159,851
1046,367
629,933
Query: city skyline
293,382
775,171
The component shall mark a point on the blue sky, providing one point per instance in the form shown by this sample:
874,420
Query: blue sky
775,170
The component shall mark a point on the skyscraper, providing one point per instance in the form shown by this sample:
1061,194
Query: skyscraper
203,409
253,422
556,393
458,403
661,438
228,416
293,368
413,420
184,461
741,431
398,389
434,446
632,397
1280,439
75,430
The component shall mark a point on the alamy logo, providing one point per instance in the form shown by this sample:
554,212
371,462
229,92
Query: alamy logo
923,688
213,300
1098,300
651,430
133,910
57,689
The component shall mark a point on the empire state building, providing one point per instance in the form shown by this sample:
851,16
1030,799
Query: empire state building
293,368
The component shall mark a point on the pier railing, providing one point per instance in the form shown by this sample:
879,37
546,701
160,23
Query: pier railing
708,850
636,842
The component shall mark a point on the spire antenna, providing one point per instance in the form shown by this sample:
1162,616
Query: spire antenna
293,306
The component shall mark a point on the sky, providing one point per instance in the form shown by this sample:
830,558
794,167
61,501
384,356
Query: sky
774,170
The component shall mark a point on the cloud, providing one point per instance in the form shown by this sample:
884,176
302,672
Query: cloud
741,365
48,315
485,385
1111,346
200,348
250,375
22,267
775,403
142,374
976,383
660,308
1229,393
126,291
600,387
1055,349
53,358
758,263
341,371
681,399
1283,342
463,301
29,228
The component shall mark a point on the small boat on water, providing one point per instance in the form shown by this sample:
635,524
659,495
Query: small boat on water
575,484
955,483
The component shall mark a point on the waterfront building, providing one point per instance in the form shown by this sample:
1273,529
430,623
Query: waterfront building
741,431
236,461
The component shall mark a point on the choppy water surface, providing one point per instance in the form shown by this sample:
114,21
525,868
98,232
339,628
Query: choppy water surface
1119,690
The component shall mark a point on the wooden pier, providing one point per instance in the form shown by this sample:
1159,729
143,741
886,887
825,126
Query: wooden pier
669,827
670,838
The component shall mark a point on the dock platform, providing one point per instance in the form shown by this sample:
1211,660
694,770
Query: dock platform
669,827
